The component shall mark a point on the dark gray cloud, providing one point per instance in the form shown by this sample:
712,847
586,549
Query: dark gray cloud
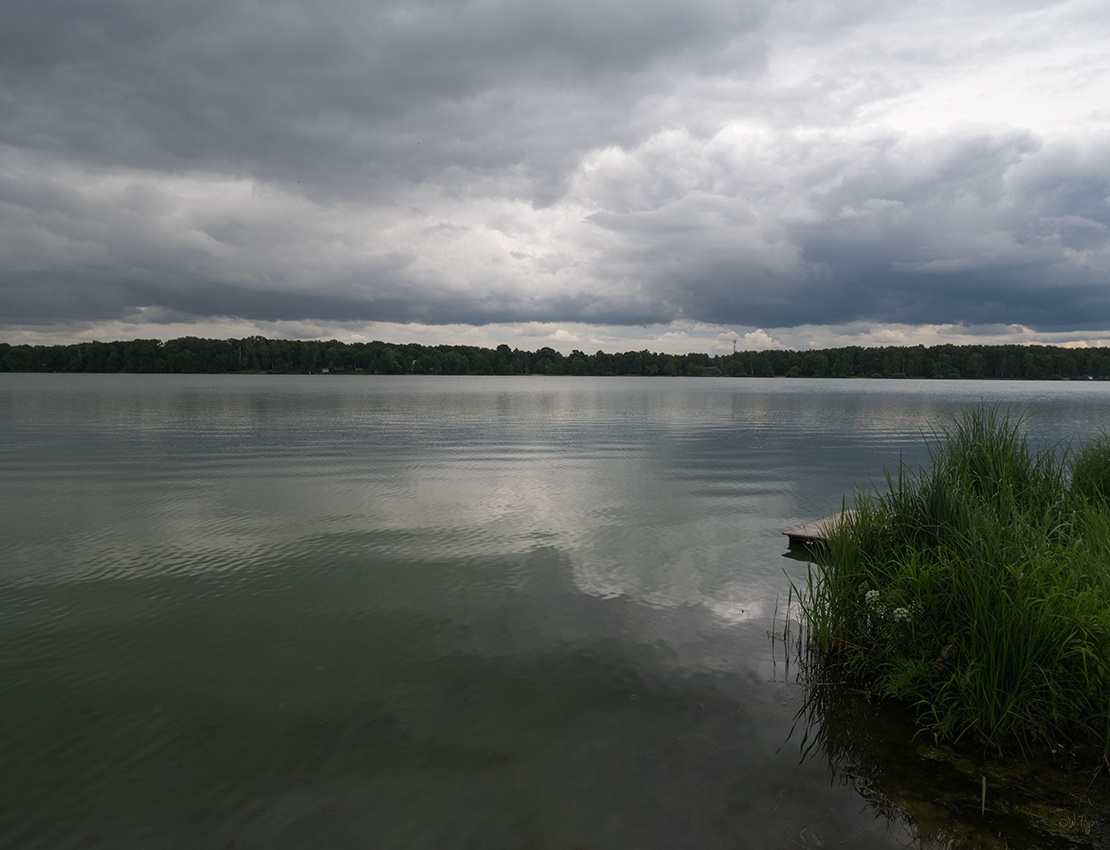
341,94
748,164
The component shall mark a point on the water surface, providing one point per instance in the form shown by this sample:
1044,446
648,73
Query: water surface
340,611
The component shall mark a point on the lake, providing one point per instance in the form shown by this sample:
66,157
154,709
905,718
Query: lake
421,612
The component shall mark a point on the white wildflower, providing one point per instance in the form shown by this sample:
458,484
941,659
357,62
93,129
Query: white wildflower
900,614
871,597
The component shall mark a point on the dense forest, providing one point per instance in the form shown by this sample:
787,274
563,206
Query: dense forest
258,354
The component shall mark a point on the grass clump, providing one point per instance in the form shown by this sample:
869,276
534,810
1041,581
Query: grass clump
977,587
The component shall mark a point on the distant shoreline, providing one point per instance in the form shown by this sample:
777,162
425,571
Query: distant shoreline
259,355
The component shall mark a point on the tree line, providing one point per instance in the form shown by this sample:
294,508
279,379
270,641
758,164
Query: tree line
259,354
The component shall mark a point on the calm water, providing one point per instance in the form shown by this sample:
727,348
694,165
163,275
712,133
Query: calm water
382,612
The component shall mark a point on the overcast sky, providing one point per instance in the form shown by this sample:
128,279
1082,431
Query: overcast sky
607,174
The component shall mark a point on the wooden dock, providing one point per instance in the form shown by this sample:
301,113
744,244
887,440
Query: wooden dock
815,532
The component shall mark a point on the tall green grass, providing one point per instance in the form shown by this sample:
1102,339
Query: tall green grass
976,588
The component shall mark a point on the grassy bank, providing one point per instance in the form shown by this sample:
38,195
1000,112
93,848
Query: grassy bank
976,588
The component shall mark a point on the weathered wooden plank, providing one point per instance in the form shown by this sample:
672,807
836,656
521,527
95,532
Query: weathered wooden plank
816,531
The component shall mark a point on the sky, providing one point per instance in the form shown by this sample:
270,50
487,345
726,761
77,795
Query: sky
610,174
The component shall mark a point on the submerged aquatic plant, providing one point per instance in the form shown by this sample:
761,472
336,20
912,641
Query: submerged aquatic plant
976,588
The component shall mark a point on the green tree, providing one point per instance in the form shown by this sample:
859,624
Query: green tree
815,365
976,365
761,367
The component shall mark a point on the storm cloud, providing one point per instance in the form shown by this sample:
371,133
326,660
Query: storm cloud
743,165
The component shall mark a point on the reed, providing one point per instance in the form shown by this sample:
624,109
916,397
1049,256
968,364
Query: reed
976,588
